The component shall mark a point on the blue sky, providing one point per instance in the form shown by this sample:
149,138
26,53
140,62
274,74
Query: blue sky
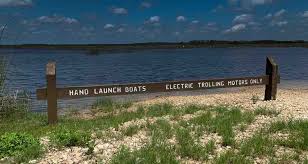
127,21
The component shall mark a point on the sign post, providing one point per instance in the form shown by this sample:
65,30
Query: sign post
51,92
272,72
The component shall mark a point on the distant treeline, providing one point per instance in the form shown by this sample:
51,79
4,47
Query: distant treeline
94,48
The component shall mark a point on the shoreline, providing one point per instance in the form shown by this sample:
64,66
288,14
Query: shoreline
94,49
291,102
84,104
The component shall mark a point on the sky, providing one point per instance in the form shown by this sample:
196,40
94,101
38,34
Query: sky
134,21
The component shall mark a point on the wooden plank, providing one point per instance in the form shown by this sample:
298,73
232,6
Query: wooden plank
138,88
51,92
274,79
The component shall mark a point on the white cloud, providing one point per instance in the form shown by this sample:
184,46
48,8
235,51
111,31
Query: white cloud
244,18
305,14
268,16
254,23
278,23
180,19
209,27
88,29
121,29
211,24
146,5
280,13
236,28
119,11
108,26
154,19
261,2
15,3
250,3
281,23
218,8
195,22
57,19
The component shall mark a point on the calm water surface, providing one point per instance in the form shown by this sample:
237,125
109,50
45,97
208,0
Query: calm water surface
27,67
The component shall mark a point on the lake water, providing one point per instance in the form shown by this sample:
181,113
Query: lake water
27,67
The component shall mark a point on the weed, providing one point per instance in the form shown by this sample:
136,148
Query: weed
231,157
108,105
223,122
265,112
20,146
68,138
158,110
298,130
258,145
188,148
255,99
161,129
151,154
131,130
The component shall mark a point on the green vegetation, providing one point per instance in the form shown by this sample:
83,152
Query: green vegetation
153,153
172,139
231,157
298,134
131,130
188,148
221,120
161,129
263,145
68,138
157,151
12,105
107,105
255,99
258,145
266,111
20,146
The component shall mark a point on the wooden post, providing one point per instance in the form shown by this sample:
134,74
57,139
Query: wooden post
51,92
272,72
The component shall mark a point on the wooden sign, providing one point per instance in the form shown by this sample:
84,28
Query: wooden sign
124,89
52,93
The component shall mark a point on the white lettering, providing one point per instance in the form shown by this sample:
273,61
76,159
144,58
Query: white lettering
135,89
78,92
178,86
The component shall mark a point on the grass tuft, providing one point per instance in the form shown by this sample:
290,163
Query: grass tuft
108,105
298,130
161,130
68,138
231,157
266,112
131,130
188,148
20,146
223,122
151,154
158,110
259,145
